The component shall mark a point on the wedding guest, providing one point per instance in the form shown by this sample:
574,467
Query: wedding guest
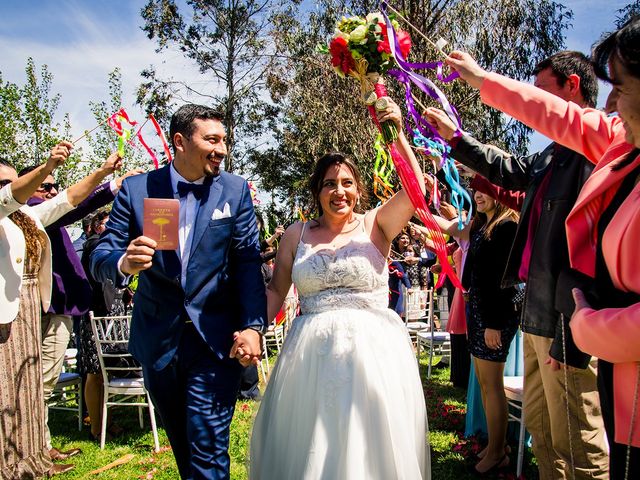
26,285
491,319
572,444
71,292
602,227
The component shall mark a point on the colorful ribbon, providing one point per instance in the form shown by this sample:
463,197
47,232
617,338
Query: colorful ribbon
438,148
253,191
160,134
405,172
382,171
124,134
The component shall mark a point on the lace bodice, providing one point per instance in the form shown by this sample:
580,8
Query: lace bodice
352,276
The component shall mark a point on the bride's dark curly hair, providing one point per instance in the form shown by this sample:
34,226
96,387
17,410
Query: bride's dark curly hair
319,172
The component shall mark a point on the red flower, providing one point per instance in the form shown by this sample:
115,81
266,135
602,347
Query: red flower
383,45
340,55
403,39
405,43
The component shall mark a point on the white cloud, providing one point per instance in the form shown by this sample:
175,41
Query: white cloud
82,49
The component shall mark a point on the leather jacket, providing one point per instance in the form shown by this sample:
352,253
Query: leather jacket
549,251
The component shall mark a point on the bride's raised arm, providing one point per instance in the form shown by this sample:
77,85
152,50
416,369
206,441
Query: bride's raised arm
393,216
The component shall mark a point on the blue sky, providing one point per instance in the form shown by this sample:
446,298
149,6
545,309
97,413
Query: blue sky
82,41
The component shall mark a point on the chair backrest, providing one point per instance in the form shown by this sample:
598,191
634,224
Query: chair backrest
418,304
111,335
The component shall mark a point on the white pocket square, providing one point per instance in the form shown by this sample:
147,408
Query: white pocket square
225,213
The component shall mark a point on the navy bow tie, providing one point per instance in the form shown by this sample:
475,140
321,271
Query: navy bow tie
198,189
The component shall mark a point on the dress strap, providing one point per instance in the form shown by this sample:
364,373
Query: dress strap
304,224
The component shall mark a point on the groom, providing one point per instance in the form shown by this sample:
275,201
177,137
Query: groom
199,305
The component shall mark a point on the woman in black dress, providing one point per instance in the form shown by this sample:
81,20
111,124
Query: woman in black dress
492,320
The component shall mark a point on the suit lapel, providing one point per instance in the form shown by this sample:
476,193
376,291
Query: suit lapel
159,186
205,212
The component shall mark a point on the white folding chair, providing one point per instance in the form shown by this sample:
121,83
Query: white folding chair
67,394
513,388
418,307
433,341
275,335
112,335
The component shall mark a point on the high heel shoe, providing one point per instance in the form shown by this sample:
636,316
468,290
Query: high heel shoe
495,468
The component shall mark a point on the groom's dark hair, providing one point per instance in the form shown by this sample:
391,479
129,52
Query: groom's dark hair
182,119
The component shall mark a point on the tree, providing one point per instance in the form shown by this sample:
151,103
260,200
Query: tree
322,112
27,126
228,41
103,140
625,13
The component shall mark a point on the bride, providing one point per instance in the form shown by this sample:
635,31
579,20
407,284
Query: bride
345,400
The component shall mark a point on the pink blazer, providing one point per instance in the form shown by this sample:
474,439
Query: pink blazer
612,334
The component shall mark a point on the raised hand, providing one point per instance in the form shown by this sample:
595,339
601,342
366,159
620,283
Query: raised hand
59,154
441,122
130,173
467,67
112,163
391,112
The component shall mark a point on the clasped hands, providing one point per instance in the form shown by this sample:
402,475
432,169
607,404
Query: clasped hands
246,347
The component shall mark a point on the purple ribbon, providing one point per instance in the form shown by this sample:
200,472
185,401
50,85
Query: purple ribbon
406,74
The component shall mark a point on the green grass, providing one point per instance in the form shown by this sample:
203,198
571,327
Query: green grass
445,405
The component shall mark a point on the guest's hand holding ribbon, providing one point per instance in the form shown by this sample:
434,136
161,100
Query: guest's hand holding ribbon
246,347
441,122
59,154
467,68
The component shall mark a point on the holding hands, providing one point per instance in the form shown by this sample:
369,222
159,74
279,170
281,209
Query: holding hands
246,347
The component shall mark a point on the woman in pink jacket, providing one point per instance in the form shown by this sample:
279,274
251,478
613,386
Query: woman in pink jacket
603,229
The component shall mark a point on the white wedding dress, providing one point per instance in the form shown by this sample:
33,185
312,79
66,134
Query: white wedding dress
345,401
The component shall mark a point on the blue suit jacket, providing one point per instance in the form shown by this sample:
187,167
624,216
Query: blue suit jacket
224,290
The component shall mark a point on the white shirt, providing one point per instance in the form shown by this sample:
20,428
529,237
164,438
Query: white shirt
189,206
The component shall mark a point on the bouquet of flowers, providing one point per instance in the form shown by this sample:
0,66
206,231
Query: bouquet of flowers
360,49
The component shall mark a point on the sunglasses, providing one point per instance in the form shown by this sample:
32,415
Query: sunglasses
4,183
47,187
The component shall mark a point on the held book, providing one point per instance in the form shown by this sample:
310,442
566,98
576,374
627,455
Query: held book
161,218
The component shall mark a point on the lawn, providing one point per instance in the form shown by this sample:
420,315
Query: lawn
445,405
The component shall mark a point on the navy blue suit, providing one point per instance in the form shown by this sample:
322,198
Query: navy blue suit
182,337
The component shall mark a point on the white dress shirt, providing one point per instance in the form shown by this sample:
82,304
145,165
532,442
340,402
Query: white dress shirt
189,206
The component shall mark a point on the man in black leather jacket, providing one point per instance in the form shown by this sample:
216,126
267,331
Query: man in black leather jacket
539,256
